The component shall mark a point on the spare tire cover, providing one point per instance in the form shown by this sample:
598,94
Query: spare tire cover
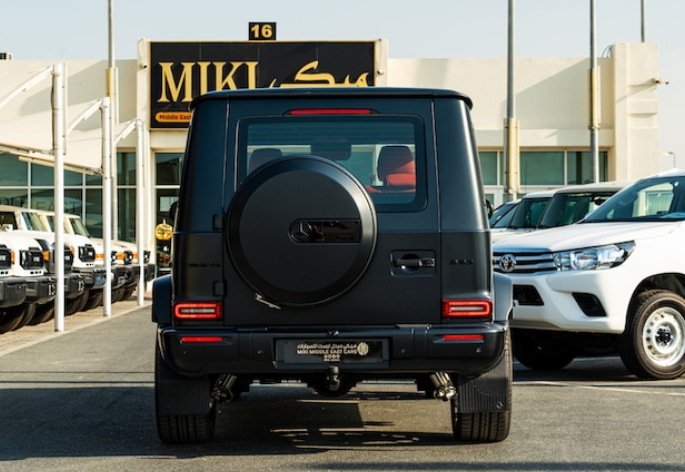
301,231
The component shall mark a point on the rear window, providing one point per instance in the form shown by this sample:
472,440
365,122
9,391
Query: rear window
385,153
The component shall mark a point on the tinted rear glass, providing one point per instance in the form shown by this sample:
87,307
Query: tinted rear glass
385,153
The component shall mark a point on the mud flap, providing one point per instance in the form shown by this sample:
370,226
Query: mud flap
489,392
176,395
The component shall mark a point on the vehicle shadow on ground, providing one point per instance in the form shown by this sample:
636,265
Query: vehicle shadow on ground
119,421
110,419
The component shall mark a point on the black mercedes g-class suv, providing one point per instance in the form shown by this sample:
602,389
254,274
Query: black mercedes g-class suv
331,236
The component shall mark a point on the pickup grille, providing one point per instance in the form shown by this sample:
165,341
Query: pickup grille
523,262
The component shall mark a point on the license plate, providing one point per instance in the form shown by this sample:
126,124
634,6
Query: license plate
338,352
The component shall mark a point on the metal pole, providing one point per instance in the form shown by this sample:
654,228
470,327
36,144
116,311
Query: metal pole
140,201
510,134
113,116
594,149
107,206
58,154
643,22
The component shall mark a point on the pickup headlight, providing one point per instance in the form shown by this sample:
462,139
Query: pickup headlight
594,258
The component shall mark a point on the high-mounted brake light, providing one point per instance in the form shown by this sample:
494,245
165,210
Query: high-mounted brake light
197,311
331,111
469,309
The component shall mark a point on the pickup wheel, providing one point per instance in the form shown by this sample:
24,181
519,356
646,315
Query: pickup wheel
180,429
27,315
653,343
43,313
11,317
540,352
94,300
75,304
487,426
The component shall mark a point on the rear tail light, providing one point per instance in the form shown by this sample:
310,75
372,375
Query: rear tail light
467,309
198,311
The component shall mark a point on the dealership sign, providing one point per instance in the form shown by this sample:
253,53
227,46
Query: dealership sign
181,71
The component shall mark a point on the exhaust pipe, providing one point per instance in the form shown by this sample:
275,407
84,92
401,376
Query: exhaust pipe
222,391
444,389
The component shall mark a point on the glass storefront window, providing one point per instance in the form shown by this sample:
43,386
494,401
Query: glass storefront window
14,172
93,213
44,176
168,168
44,199
488,167
578,167
127,214
14,197
126,168
93,179
541,168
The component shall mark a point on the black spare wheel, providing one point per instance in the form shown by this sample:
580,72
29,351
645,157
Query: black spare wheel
301,231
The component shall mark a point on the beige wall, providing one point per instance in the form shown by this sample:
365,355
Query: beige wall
552,101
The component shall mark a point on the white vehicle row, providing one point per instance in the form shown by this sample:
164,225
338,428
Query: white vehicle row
27,278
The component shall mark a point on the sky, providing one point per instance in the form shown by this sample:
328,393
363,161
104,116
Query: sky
78,29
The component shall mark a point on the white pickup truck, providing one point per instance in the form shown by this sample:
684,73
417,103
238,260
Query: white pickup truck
615,281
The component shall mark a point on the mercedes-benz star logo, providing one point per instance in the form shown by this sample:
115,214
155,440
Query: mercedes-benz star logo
301,232
507,263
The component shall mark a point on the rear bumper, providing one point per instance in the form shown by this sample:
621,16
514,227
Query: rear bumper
12,291
405,350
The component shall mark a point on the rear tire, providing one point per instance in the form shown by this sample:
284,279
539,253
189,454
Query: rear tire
487,426
653,343
538,353
180,429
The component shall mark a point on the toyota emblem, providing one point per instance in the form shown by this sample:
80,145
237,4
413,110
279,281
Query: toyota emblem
507,263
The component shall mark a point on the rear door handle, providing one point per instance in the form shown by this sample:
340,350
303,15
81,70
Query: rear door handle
415,262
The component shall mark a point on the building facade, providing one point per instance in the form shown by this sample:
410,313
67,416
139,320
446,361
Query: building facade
552,109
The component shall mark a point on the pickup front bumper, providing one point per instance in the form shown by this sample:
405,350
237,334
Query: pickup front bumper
40,289
93,277
12,291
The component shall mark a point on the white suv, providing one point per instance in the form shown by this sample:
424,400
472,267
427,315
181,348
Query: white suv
613,281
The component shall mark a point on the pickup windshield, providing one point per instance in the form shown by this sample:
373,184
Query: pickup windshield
653,199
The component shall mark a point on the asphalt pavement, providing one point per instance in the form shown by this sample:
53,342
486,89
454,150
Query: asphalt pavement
82,400
32,334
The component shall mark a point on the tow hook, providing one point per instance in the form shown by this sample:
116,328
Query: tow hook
333,378
222,391
444,389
